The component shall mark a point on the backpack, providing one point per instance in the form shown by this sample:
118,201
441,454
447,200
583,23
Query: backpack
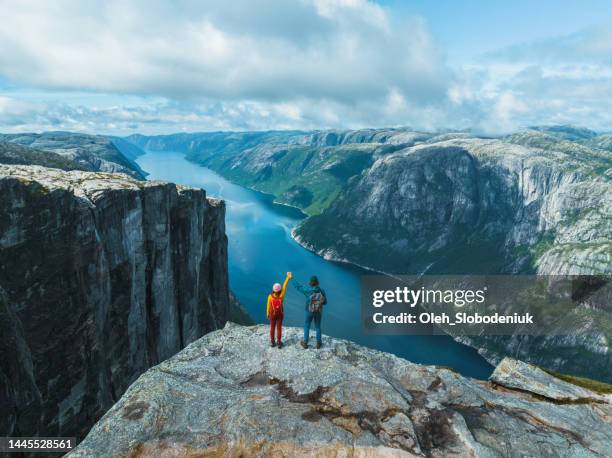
276,306
317,301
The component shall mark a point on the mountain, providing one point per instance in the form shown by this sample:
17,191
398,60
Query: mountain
230,394
530,202
567,132
90,152
601,141
101,277
303,169
128,149
536,202
15,154
527,203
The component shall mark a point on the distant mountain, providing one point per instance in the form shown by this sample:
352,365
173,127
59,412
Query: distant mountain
602,142
91,152
14,154
303,169
416,195
128,149
567,132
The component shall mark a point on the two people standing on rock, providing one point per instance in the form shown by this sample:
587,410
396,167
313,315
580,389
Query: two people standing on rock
315,300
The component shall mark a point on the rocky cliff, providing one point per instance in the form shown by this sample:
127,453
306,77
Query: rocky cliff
230,394
101,277
474,206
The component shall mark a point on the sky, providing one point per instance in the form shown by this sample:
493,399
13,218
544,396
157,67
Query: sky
120,67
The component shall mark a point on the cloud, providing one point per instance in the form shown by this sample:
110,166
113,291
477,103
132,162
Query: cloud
159,67
562,80
272,50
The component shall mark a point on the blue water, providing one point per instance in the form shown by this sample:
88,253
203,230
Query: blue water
261,250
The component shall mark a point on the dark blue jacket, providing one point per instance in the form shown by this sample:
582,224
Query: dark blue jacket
309,291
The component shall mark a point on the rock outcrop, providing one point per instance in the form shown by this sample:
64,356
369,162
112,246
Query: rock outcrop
102,277
230,394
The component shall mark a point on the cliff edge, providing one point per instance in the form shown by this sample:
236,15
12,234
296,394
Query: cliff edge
230,394
101,277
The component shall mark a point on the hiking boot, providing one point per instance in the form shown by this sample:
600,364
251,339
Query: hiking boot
319,344
273,344
304,344
280,345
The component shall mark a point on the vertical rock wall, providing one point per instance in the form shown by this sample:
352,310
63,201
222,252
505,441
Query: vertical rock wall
102,277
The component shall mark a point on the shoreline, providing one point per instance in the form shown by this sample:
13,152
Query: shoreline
492,359
272,197
332,258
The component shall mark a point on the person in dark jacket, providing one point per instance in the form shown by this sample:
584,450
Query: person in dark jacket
315,300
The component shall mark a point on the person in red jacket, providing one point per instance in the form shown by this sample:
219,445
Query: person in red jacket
275,312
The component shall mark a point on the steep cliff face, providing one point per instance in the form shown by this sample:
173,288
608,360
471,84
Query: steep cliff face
474,205
103,276
230,394
89,152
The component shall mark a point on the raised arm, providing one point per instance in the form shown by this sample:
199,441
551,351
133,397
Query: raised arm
301,289
287,278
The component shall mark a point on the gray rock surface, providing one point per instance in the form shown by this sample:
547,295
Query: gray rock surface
90,152
230,394
516,374
103,276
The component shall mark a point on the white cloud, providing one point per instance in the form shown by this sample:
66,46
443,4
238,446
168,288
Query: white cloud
191,65
566,80
340,50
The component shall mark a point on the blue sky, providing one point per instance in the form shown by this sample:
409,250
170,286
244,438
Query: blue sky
467,29
158,67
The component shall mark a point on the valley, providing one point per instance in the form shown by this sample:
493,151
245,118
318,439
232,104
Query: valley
535,202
